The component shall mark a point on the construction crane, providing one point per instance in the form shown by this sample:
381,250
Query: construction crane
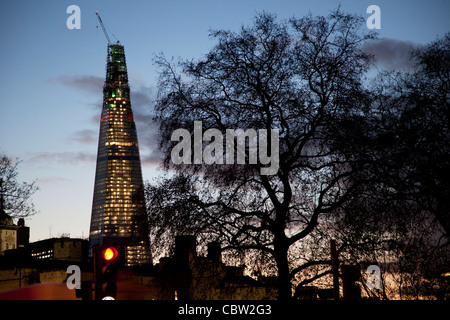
103,27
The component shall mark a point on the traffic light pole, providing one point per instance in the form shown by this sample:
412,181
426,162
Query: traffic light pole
107,260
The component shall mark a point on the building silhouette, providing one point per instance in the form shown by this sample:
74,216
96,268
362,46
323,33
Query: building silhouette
8,232
187,276
118,209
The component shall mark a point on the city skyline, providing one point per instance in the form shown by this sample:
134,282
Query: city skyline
45,65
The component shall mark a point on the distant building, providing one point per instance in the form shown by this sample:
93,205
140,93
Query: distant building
42,261
23,234
118,209
8,232
62,249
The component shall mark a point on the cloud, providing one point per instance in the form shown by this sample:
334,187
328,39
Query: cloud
142,97
88,84
392,54
148,144
149,157
154,158
142,102
70,158
86,136
53,180
142,105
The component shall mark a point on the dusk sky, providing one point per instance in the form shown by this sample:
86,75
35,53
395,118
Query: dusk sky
52,77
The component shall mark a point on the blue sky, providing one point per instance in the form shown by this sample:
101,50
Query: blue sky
51,79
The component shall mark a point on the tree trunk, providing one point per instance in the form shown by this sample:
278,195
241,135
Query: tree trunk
281,258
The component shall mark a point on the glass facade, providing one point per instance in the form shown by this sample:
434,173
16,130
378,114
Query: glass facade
118,209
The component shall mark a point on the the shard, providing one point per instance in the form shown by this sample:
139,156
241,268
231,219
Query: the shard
118,209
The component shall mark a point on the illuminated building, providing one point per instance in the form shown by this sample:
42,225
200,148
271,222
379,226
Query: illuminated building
118,209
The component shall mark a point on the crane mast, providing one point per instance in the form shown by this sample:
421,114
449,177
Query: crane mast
103,27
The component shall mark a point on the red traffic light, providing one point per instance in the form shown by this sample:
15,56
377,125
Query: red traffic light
110,253
107,260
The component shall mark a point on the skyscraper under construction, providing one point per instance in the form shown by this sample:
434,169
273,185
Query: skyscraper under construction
118,209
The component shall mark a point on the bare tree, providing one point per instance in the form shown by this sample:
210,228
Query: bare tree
16,196
401,214
423,129
301,77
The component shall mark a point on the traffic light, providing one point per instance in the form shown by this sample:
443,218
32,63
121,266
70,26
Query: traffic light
107,259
